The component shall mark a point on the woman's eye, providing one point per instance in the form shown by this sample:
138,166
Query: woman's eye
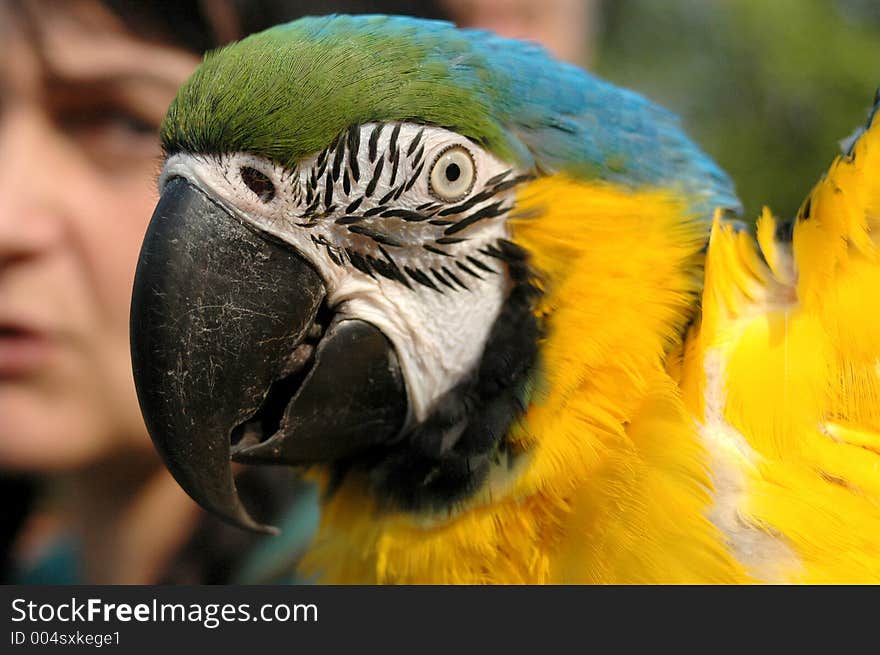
111,136
133,124
453,174
94,120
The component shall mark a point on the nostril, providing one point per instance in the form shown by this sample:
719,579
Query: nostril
258,183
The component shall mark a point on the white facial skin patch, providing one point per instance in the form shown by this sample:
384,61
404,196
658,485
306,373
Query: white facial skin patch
401,221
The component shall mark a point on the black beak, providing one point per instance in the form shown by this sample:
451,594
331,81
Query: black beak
229,355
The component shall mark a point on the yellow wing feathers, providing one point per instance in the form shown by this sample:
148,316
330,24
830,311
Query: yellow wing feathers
786,364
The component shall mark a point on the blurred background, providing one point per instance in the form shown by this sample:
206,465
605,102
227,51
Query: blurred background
769,89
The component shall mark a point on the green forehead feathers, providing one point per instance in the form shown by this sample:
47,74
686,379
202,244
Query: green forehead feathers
290,91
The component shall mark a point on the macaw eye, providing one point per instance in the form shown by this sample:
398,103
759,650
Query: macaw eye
453,173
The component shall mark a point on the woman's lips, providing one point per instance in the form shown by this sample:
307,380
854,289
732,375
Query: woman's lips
22,350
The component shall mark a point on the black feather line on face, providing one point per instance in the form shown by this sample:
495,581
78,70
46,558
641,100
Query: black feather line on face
318,173
415,176
354,146
448,241
373,143
387,268
468,204
376,236
297,193
328,192
504,186
417,159
322,160
398,274
392,142
374,181
336,260
489,211
358,261
421,278
338,156
468,270
375,211
483,267
394,160
442,279
329,248
415,142
483,195
452,276
493,251
310,210
498,178
384,200
408,215
378,266
436,251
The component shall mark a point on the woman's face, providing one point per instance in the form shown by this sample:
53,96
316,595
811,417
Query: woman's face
80,103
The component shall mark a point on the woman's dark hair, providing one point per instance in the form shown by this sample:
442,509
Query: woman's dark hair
200,25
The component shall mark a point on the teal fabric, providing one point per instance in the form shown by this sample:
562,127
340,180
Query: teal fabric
271,560
60,565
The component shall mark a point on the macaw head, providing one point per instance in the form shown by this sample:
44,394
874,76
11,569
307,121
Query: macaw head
331,277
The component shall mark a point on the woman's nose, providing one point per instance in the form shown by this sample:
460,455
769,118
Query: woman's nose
34,180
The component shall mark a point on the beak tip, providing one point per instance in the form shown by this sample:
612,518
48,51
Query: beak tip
244,520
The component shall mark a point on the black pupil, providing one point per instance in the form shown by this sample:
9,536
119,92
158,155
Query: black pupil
453,172
258,183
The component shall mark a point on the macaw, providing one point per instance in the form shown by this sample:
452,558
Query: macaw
501,312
